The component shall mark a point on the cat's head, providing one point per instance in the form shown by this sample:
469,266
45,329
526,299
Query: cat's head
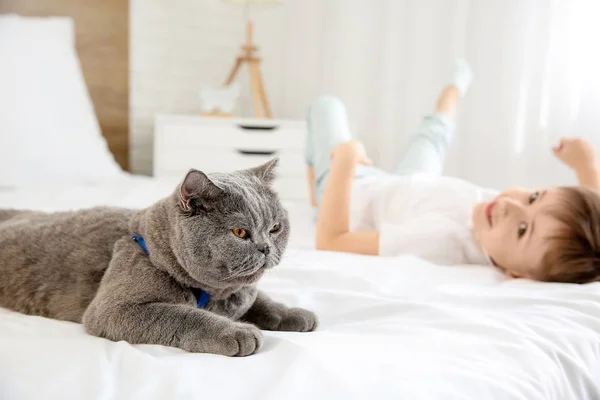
232,226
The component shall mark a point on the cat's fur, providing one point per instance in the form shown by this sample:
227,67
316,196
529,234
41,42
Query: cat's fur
85,267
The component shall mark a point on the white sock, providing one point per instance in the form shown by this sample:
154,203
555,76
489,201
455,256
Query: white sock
462,75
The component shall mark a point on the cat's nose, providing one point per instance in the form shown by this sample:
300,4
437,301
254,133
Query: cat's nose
263,248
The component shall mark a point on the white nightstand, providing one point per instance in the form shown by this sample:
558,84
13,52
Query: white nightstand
224,145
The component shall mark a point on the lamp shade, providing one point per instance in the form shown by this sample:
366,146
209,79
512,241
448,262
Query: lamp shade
253,2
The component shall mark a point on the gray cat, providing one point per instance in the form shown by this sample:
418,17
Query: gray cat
180,273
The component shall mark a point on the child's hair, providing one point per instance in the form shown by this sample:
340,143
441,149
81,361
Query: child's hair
574,254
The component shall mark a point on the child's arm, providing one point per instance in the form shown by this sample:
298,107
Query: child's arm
580,155
333,224
589,177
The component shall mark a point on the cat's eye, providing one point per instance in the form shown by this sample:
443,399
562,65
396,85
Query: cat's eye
240,232
275,228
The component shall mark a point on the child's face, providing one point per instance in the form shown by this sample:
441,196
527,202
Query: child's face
513,227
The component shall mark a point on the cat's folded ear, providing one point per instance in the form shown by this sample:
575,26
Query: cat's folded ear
266,171
196,190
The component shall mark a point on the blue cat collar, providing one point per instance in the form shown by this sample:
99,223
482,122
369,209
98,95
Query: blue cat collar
140,240
202,297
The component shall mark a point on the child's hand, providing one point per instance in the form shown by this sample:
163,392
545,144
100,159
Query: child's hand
575,153
352,150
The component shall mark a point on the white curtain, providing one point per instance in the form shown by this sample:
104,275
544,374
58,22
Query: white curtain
536,65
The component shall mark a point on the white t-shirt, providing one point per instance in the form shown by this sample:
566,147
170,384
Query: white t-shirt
424,215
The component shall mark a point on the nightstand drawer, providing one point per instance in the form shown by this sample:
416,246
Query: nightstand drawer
225,145
291,163
227,136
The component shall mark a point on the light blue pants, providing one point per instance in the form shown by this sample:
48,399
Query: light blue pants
327,124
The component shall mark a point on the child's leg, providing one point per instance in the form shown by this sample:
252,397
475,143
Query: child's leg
310,177
327,125
426,150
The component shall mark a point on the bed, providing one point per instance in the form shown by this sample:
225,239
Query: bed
390,328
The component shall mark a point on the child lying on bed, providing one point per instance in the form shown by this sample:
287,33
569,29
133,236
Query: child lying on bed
550,234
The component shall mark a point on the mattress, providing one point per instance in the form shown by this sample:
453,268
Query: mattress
390,328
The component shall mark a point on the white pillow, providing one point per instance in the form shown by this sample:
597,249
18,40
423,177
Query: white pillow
48,130
60,28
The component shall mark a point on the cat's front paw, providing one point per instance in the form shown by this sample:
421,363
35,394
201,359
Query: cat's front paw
298,320
239,340
293,320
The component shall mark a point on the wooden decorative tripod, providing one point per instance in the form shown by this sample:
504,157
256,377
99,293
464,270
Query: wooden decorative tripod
259,96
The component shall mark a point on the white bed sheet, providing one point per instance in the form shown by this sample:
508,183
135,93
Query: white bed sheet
390,328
